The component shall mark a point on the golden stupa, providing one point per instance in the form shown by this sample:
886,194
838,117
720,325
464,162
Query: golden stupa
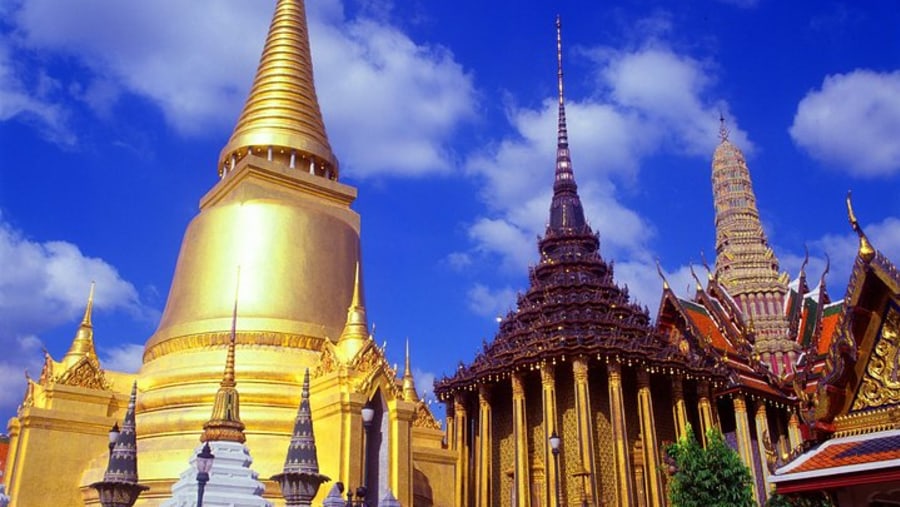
279,220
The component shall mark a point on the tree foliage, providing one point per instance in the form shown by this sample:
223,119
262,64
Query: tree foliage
710,477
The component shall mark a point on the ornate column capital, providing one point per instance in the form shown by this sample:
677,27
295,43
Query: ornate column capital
643,378
484,395
580,369
547,377
518,386
677,386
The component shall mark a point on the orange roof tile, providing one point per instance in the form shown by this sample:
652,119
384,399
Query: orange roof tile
829,325
708,328
858,452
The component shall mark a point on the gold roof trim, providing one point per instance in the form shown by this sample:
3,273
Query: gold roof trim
866,250
282,110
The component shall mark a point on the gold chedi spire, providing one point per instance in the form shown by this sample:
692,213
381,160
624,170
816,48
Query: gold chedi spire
225,423
356,330
866,250
83,343
282,116
409,383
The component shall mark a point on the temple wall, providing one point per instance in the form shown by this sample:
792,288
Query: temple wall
604,452
534,416
503,445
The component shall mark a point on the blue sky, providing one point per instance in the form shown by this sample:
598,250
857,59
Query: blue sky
112,115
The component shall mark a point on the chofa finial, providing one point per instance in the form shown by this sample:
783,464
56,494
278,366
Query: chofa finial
866,250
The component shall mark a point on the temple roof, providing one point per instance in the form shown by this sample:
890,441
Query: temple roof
573,305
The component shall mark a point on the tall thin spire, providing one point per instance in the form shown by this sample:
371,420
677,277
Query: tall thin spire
83,343
566,212
225,423
409,383
282,111
356,329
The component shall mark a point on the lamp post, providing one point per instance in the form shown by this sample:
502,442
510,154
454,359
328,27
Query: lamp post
204,465
555,442
368,415
113,436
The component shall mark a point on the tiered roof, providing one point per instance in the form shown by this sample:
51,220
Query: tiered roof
573,305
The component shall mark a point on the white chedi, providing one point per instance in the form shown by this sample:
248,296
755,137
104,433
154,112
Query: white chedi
232,483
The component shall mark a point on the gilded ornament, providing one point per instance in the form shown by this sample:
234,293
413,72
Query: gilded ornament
881,385
424,418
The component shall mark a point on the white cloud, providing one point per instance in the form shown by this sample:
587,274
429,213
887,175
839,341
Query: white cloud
127,357
390,104
647,101
851,122
21,353
30,98
841,249
491,302
424,382
49,282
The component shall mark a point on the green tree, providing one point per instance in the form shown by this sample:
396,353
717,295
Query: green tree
710,477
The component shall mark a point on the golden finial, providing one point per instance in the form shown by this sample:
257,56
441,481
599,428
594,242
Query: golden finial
83,343
89,309
866,251
723,129
282,111
805,260
661,275
356,329
409,385
225,423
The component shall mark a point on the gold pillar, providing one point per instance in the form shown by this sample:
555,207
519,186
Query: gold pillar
648,435
762,426
624,487
743,436
706,414
462,451
679,410
400,466
640,482
551,424
483,485
794,431
520,435
585,428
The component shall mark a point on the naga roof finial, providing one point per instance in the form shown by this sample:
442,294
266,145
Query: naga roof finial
866,250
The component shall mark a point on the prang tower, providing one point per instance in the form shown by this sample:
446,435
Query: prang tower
745,264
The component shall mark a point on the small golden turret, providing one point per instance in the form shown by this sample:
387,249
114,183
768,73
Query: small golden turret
83,344
409,383
866,250
282,113
225,423
356,330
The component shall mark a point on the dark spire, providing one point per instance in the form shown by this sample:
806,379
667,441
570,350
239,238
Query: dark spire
123,457
300,479
301,456
566,212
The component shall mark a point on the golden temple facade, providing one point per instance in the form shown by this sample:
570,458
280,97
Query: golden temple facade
279,224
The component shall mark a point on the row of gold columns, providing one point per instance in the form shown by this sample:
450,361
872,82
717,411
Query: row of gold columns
762,426
476,485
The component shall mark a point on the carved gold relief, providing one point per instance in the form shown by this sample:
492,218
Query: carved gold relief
424,418
85,374
881,383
